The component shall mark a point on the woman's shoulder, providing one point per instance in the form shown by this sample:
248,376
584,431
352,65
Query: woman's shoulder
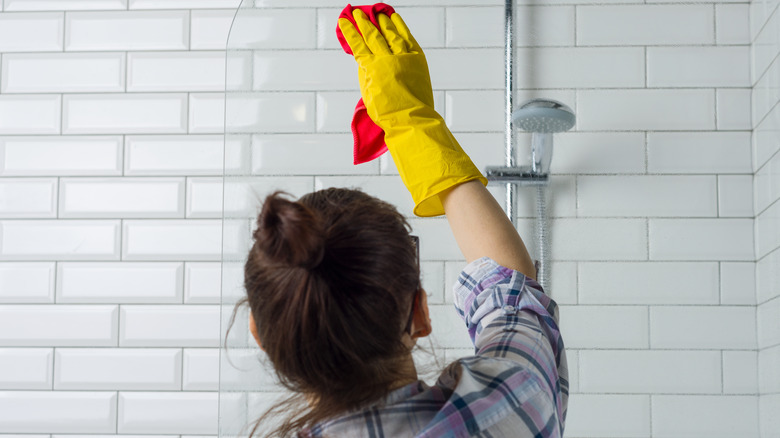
480,373
490,394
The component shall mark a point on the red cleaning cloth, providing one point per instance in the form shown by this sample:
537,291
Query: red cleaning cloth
369,138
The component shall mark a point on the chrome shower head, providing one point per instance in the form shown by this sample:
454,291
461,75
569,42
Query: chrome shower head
543,117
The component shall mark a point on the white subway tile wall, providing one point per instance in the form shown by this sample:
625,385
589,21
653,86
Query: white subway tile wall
22,282
665,199
184,412
120,282
685,415
63,73
608,415
764,24
117,368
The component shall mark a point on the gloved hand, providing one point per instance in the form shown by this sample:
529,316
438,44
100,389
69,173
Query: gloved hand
396,89
369,138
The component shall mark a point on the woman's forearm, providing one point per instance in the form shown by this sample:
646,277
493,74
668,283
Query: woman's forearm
482,228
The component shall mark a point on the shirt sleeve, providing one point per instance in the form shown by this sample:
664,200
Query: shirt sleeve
508,316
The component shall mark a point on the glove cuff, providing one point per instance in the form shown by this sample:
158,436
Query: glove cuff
430,161
430,205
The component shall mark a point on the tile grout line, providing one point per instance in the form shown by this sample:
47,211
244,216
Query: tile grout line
651,414
576,25
722,372
647,237
65,28
53,366
649,329
647,67
118,325
714,25
716,106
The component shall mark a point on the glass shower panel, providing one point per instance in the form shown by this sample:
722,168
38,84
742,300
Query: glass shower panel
290,95
289,98
656,86
249,112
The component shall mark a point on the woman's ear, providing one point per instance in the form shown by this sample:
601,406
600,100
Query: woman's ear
253,329
421,321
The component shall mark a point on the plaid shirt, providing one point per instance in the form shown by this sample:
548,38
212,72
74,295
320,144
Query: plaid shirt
515,386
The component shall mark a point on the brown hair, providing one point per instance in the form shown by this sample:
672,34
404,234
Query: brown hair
330,282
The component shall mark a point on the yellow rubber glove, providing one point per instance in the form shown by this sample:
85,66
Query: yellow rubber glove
396,89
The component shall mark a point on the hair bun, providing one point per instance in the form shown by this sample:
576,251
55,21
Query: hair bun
291,233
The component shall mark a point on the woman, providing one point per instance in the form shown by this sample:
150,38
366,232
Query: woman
333,284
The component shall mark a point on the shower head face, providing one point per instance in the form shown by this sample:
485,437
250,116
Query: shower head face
544,116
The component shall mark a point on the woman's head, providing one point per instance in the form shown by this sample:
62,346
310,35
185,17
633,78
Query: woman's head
331,280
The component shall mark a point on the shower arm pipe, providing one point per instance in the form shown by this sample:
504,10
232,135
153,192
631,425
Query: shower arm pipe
509,134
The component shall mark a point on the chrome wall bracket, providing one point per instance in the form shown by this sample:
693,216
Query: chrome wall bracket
521,176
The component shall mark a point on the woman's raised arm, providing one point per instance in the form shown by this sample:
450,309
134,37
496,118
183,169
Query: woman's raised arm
396,89
482,229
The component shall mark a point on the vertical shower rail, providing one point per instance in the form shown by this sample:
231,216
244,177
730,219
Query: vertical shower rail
511,174
509,134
